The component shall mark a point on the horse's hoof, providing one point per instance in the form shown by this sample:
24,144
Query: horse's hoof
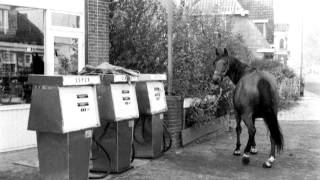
269,162
267,165
245,159
237,152
253,150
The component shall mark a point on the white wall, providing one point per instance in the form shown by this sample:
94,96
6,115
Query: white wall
76,6
13,128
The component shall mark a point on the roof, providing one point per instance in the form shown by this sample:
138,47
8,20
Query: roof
216,7
259,9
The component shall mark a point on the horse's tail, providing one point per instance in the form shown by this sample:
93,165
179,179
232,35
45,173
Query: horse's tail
268,101
271,120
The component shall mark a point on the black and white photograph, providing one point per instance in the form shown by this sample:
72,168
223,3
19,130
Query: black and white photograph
159,90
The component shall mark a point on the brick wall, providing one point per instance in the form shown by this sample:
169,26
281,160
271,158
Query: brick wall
173,119
261,9
97,42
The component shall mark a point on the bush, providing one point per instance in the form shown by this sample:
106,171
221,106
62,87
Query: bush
287,81
195,41
138,35
274,67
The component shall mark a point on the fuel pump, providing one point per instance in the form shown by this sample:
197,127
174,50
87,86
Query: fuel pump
112,147
63,112
149,128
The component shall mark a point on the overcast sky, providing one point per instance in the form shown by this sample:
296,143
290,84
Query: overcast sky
292,12
289,10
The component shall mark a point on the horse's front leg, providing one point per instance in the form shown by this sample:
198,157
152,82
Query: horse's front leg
247,119
237,151
253,149
268,163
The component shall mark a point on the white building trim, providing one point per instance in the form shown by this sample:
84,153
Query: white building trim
75,6
260,21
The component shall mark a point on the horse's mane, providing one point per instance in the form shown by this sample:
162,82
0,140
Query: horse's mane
237,69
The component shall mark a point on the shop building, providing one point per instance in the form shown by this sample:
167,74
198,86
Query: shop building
44,37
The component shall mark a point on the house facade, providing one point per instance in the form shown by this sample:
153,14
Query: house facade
281,34
252,19
44,37
281,40
261,13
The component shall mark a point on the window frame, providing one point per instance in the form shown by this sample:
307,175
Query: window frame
67,32
264,25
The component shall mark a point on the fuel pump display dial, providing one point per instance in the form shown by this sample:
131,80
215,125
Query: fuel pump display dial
124,101
78,106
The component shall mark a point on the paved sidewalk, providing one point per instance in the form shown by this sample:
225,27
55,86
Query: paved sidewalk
306,109
212,158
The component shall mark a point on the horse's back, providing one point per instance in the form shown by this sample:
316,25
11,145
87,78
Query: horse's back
255,90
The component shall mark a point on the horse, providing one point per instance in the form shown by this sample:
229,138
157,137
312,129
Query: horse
255,96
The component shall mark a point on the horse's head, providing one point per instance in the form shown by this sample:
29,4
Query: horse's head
221,66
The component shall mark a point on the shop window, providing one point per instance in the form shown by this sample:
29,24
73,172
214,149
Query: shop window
21,51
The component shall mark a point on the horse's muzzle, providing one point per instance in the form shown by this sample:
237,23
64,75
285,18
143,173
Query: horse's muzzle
216,79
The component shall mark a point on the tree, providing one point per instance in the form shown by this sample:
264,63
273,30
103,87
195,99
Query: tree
138,35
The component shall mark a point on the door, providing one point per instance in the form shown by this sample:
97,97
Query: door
65,46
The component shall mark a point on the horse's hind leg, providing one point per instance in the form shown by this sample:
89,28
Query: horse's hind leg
268,163
247,119
237,151
253,149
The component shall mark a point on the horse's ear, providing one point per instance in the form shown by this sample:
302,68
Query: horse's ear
225,52
217,52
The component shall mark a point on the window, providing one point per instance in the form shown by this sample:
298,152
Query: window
65,55
261,24
65,20
281,44
4,21
65,43
21,51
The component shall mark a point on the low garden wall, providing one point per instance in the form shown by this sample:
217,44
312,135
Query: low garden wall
182,134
